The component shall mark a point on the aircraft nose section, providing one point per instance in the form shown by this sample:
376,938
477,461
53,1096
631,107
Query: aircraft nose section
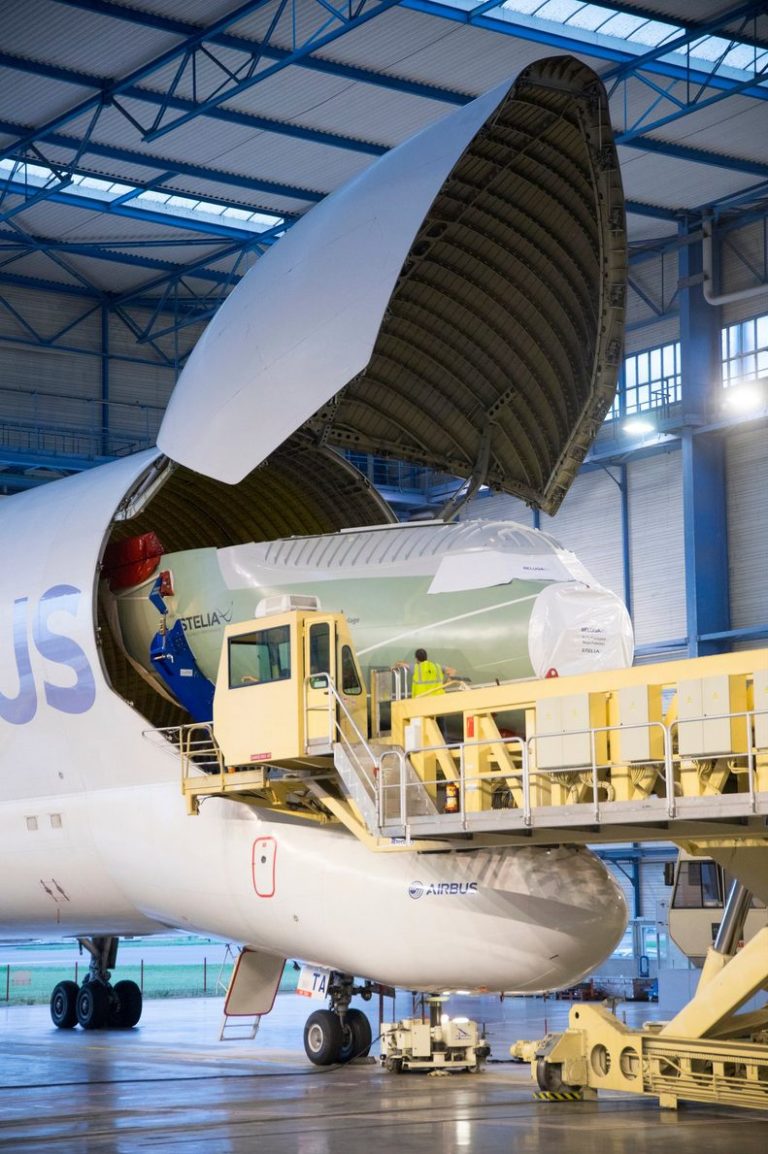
559,913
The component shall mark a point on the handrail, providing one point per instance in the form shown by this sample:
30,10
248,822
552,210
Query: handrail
335,729
529,773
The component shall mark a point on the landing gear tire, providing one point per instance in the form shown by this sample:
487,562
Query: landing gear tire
549,1076
64,1005
92,1006
356,1036
127,1007
323,1038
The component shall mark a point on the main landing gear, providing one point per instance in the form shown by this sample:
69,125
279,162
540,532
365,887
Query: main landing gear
97,1003
340,1033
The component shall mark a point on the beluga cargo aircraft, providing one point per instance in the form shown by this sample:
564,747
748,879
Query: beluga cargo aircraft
458,305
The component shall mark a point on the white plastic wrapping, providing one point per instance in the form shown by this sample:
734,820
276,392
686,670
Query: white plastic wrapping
577,628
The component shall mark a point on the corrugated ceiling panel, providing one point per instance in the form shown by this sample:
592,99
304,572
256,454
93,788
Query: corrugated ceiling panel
656,548
679,11
35,99
266,156
673,183
288,94
747,485
242,198
642,227
49,218
589,523
418,47
37,266
366,112
121,171
87,41
637,105
732,127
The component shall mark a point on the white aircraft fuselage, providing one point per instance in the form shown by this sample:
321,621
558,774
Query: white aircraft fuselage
95,839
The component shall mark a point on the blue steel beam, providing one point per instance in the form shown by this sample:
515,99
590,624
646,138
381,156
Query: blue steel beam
82,351
694,155
253,67
249,120
703,458
21,243
684,107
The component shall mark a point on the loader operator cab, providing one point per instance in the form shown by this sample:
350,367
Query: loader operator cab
288,684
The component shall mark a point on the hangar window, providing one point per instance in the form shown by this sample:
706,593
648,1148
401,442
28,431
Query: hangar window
745,351
651,380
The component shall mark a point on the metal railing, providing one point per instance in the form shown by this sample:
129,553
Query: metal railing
337,712
659,780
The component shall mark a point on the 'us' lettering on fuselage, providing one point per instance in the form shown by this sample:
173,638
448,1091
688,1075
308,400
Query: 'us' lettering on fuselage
53,647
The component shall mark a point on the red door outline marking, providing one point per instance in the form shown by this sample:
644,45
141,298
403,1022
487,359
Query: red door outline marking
263,861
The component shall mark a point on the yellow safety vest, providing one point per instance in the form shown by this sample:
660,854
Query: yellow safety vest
427,678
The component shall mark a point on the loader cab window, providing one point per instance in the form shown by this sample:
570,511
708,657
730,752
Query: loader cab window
350,682
320,648
260,657
698,886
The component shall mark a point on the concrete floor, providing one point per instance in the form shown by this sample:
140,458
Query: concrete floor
171,1085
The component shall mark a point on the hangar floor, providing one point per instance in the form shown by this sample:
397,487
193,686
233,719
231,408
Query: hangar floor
171,1085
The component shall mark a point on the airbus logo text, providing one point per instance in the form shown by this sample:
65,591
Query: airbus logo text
418,890
55,648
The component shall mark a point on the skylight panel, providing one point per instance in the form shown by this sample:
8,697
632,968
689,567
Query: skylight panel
740,56
601,21
152,194
184,202
210,207
622,25
524,7
558,10
93,183
589,18
653,32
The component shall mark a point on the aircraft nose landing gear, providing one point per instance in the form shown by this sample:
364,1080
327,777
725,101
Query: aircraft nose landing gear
340,1033
97,1003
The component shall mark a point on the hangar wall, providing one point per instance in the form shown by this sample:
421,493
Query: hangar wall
79,378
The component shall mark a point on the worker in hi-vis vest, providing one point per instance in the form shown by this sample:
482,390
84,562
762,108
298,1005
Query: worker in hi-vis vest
427,676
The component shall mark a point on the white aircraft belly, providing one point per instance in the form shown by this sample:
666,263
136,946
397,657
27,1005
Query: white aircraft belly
126,859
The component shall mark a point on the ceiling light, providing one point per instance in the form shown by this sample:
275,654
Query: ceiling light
639,426
746,398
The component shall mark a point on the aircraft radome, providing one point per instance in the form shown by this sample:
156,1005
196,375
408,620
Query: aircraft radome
460,306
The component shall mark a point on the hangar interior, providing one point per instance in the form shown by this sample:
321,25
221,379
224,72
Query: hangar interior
151,152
